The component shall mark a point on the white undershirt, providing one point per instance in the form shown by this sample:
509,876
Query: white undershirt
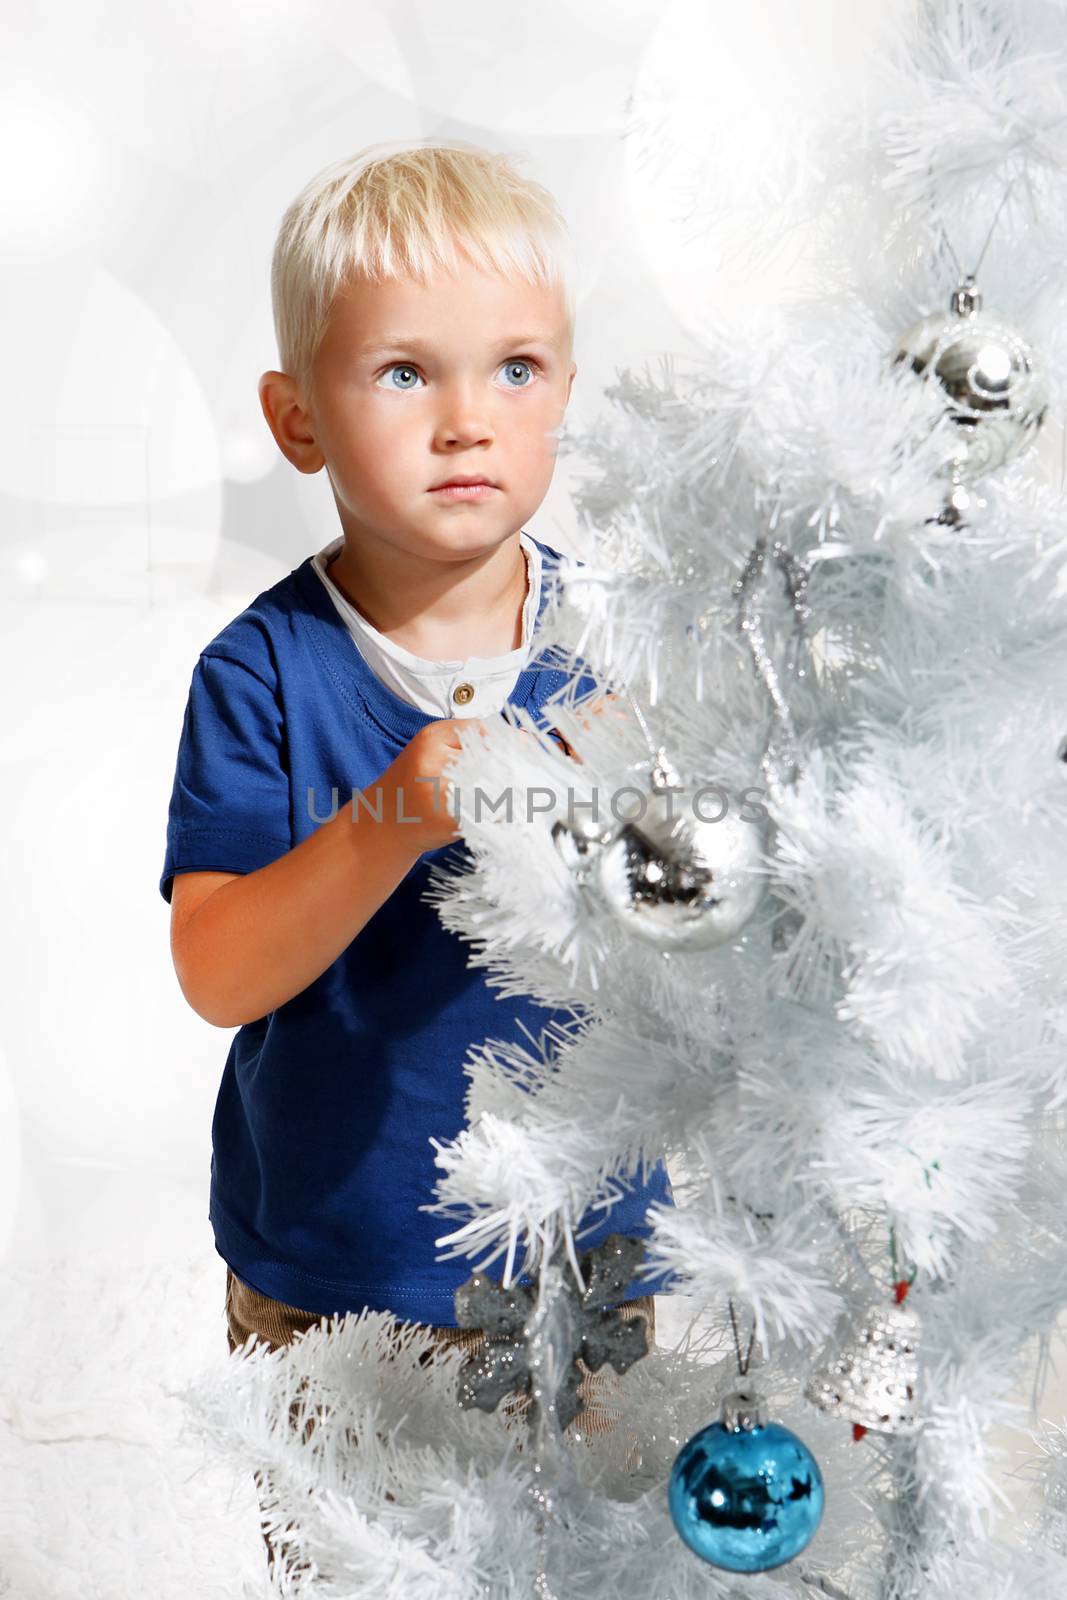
431,685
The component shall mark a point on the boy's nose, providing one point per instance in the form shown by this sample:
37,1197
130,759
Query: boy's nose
463,421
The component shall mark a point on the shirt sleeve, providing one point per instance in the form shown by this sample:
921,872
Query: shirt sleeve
230,804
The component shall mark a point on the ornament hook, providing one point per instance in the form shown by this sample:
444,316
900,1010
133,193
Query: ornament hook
663,774
743,1363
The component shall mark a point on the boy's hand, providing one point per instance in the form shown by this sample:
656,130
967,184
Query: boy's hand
418,773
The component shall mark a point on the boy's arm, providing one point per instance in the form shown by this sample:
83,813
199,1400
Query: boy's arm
244,944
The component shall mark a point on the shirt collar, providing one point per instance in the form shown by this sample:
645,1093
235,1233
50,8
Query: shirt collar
431,685
363,691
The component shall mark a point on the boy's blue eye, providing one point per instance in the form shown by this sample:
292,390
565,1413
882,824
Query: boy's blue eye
400,366
509,366
520,361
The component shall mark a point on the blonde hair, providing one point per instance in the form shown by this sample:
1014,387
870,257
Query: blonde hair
399,210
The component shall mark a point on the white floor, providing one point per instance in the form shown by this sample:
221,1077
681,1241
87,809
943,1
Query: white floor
102,1497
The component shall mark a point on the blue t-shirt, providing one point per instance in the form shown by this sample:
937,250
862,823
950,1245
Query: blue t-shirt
321,1152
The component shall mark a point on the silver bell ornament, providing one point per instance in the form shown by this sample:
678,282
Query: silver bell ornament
679,881
995,388
872,1380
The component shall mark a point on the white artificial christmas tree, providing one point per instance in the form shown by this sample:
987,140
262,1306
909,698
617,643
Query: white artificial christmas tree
829,585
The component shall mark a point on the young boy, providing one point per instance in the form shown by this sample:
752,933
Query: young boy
425,328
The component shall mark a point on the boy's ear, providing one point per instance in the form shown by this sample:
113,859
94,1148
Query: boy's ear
290,424
570,381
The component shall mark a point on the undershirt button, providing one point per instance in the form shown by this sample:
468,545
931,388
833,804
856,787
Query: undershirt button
463,694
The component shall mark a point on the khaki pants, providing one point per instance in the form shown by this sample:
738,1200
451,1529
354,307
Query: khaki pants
275,1324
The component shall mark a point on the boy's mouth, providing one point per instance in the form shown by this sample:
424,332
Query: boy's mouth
481,489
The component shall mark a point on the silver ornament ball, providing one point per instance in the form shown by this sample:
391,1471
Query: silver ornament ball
680,882
995,388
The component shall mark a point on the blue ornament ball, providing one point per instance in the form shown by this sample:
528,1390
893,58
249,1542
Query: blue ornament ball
747,1499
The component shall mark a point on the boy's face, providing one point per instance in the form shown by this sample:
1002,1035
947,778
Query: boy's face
413,384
